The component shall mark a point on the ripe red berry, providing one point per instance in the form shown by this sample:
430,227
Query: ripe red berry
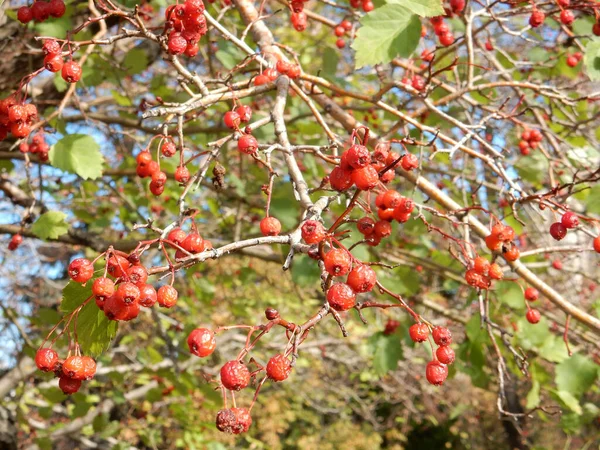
391,199
279,367
531,294
533,316
386,215
261,79
436,372
457,5
40,11
418,332
445,354
24,14
409,162
596,244
68,385
442,336
340,179
570,220
177,236
232,120
339,31
418,82
159,179
235,375
340,43
103,288
182,174
572,61
596,29
358,156
46,359
313,232
446,39
512,254
57,8
177,43
368,6
382,229
557,264
127,293
567,17
299,21
248,144
73,367
537,18
495,272
115,309
558,231
53,63
481,265
226,420
346,24
202,342
148,295
168,149
243,420
365,225
81,270
270,226
244,112
341,297
362,278
166,296
89,367
476,279
117,266
137,274
193,243
71,72
337,262
489,46
365,178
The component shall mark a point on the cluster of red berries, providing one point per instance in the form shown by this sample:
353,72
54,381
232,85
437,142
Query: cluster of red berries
436,371
187,243
120,299
344,27
53,62
558,230
530,139
362,169
417,82
41,11
573,60
500,240
37,146
281,68
442,30
482,272
185,24
16,117
70,371
15,241
147,167
367,5
298,18
531,294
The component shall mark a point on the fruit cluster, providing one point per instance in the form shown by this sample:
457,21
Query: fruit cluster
70,371
366,5
530,139
531,294
185,25
442,30
41,11
37,146
16,117
558,230
147,167
573,60
187,243
344,27
436,371
54,62
482,272
500,240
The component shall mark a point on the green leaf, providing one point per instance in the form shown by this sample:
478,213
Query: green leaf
575,375
570,402
385,33
591,60
533,397
423,8
94,330
54,28
305,271
50,225
387,351
78,153
330,62
121,99
136,61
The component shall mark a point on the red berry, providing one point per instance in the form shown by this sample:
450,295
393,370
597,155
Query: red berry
182,174
340,179
46,359
481,265
53,63
115,309
386,215
365,178
358,156
495,272
261,79
409,162
177,236
51,47
168,149
537,18
337,262
166,296
339,31
40,11
24,14
533,316
159,179
391,199
457,5
279,367
243,420
232,120
570,220
57,8
74,367
474,278
235,375
127,293
512,254
418,82
103,288
596,29
148,295
177,43
489,46
531,294
368,6
446,39
558,231
436,372
68,385
117,266
567,17
340,43
427,55
445,354
71,72
313,232
89,367
137,274
299,21
442,336
596,244
248,144
572,61
202,342
382,229
17,113
418,332
341,297
244,112
226,421
557,264
193,243
362,278
81,270
346,24
365,225
270,226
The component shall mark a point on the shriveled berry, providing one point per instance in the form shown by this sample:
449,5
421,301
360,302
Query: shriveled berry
279,367
243,420
441,336
235,375
495,272
531,294
81,270
362,278
46,359
365,225
168,149
166,296
341,297
202,342
313,232
474,278
270,226
445,354
226,420
177,43
558,231
244,112
418,332
182,174
481,265
533,316
71,72
436,372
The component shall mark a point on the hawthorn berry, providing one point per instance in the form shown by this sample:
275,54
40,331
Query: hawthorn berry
103,288
176,43
418,332
279,367
337,262
489,46
270,226
339,31
340,179
441,336
313,232
53,63
248,144
235,375
24,14
391,199
368,6
148,295
446,40
382,229
168,149
137,274
418,82
261,79
572,61
81,270
68,385
366,226
570,220
89,367
182,174
445,354
365,178
409,162
476,279
537,18
299,21
495,272
362,278
193,243
243,420
341,297
386,215
481,265
436,372
71,72
511,254
567,17
558,231
127,293
531,294
166,296
57,8
244,112
557,264
457,5
232,120
533,316
202,342
340,43
177,236
596,244
46,359
358,156
74,367
40,11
